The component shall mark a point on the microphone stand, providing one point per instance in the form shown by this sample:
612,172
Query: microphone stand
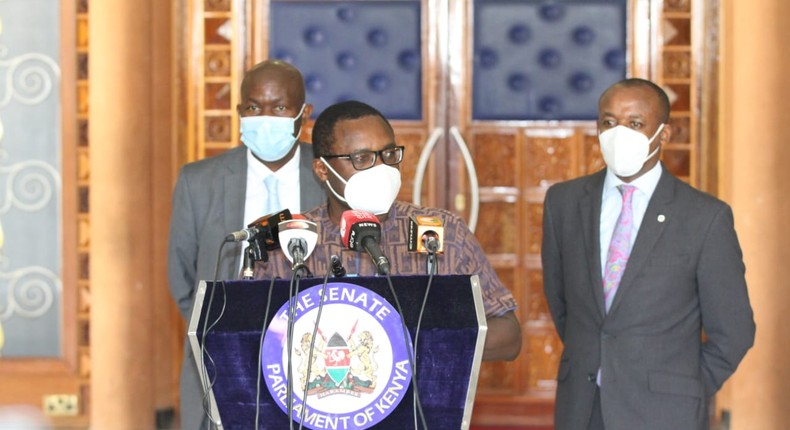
432,266
432,247
252,253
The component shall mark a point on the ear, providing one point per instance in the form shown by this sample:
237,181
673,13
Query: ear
666,134
320,170
308,110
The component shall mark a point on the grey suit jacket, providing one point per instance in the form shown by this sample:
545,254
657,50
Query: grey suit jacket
208,204
685,274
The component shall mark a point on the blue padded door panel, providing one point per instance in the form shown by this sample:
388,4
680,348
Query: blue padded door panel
546,60
364,50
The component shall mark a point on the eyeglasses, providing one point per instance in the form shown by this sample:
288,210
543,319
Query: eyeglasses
365,159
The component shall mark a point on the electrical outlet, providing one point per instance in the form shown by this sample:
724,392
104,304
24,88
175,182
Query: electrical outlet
61,405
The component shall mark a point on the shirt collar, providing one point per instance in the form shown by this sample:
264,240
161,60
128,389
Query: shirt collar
646,183
257,168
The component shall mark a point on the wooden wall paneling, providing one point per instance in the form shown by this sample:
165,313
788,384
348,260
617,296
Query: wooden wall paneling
413,137
83,186
218,37
516,162
677,70
705,29
497,155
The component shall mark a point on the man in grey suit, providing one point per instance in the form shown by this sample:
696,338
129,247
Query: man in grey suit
675,319
222,194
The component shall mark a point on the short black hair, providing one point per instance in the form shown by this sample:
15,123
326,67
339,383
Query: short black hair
663,99
324,127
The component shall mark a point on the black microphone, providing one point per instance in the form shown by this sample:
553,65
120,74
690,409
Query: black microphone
338,271
298,237
263,229
252,254
431,242
425,234
362,230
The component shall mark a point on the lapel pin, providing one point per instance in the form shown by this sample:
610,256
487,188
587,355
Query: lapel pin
661,218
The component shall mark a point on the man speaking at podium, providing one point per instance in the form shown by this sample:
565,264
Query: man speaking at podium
357,160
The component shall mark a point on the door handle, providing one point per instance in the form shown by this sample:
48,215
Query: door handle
474,187
422,164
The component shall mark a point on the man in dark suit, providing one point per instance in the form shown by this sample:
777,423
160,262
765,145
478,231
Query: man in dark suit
222,194
637,264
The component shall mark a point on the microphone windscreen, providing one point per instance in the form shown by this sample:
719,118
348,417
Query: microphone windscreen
267,225
297,229
355,222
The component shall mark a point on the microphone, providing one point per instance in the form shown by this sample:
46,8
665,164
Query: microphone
263,229
338,271
362,230
298,237
426,234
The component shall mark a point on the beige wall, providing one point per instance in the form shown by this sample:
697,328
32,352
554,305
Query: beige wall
755,130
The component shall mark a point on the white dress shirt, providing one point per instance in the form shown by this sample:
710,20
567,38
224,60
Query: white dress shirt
287,189
612,202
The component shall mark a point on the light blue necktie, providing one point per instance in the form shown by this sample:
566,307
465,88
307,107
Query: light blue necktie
272,195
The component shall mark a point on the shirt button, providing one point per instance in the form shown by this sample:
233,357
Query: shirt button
591,377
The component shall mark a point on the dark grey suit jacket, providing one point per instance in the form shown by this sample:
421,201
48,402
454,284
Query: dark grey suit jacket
208,204
685,274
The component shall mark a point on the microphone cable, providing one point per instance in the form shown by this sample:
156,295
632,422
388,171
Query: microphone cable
260,354
432,271
208,383
329,270
293,291
412,354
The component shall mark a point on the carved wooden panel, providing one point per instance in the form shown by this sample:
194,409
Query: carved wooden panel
591,152
501,236
680,76
546,153
543,349
495,158
551,156
413,138
83,283
216,78
498,378
516,161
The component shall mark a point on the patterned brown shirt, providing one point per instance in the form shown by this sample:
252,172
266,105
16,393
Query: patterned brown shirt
462,253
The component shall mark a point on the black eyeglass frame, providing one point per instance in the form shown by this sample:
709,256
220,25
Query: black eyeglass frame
376,154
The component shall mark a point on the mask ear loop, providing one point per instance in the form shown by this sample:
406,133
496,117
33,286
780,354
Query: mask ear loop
660,127
342,199
301,111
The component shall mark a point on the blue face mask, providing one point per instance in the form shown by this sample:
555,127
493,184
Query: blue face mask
270,138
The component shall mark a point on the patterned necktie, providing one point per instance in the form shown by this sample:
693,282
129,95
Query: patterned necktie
619,247
272,195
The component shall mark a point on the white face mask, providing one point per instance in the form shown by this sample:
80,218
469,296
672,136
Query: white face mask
625,150
372,190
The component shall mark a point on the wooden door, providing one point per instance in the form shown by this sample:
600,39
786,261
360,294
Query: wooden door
516,157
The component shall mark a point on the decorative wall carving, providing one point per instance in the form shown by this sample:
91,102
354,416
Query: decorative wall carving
30,177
